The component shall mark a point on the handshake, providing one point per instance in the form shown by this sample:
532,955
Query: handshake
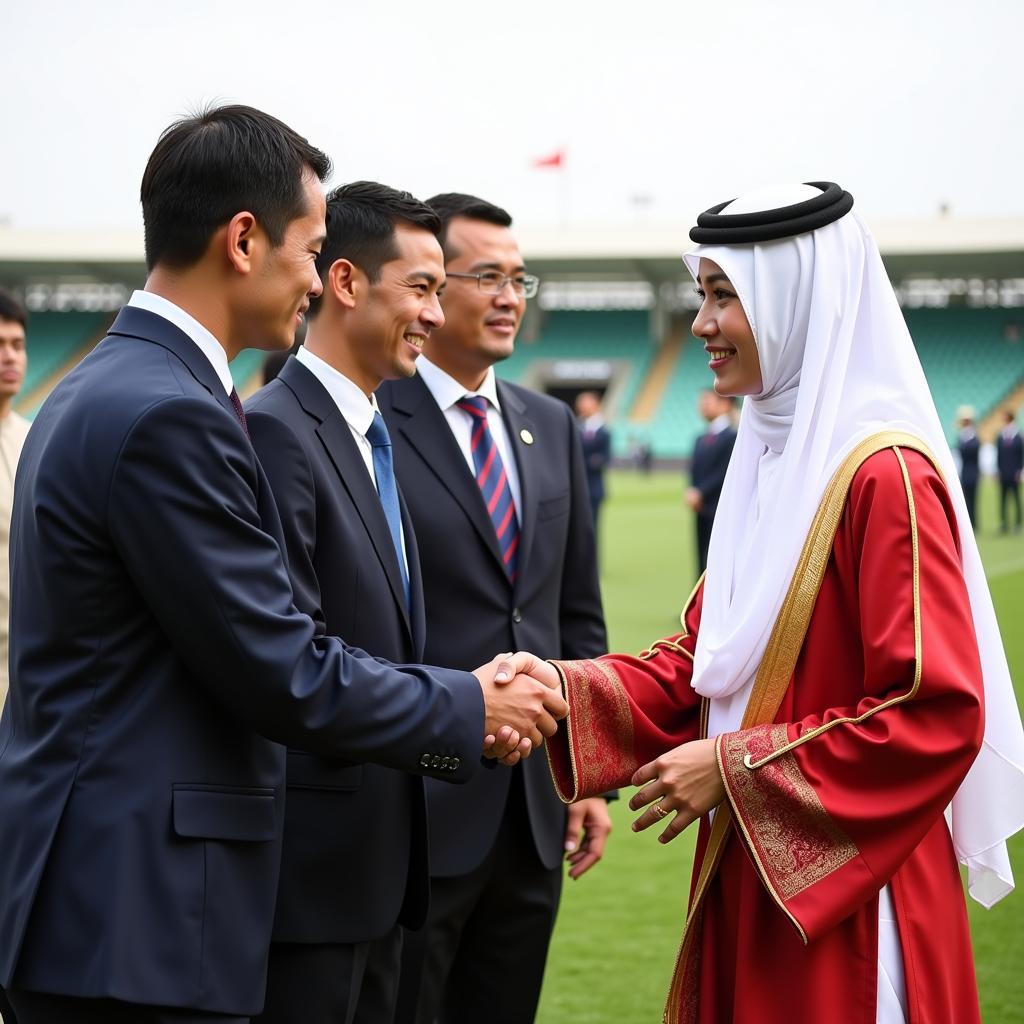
523,704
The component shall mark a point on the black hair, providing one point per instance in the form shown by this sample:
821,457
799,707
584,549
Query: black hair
361,220
450,205
12,309
214,164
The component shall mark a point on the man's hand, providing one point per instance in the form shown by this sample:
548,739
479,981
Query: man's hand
694,498
685,780
519,710
585,834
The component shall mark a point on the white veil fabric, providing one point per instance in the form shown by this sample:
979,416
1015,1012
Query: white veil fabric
837,365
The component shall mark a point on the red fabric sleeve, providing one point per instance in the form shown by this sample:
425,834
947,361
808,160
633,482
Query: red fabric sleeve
828,822
625,711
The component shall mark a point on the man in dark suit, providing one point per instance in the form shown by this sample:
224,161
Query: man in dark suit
1010,464
710,460
496,486
969,448
597,446
349,872
158,659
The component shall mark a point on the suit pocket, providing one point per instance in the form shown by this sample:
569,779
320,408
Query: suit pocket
306,771
224,812
551,508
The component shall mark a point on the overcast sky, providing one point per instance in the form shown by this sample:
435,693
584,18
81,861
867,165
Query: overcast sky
907,103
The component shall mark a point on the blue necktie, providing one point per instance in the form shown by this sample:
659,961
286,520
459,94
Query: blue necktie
384,471
493,482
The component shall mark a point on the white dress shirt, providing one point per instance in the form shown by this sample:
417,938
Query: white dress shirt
204,340
356,409
447,391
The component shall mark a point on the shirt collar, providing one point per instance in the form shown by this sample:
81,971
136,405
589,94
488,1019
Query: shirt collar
352,403
447,390
719,423
189,325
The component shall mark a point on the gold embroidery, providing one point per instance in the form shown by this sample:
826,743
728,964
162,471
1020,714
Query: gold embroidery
599,729
680,637
753,763
794,841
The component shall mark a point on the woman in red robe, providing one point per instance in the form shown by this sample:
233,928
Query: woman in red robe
825,701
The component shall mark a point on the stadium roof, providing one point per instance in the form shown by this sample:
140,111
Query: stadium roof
942,246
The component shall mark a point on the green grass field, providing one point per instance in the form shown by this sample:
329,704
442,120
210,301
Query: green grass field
618,929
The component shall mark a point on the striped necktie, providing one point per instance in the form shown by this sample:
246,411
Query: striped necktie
493,482
236,404
387,489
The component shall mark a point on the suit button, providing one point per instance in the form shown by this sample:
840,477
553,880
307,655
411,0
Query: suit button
425,761
445,761
517,616
435,761
455,764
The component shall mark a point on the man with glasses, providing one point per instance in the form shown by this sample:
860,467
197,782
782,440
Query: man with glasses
494,478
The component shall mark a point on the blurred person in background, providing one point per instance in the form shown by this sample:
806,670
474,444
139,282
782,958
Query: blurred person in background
13,431
710,460
1010,463
968,449
597,446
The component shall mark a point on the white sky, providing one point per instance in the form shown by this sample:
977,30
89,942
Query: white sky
907,103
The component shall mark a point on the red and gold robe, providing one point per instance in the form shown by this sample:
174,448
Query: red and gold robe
877,724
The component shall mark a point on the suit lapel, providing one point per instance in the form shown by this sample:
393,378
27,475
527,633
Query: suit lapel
519,425
426,429
335,435
133,322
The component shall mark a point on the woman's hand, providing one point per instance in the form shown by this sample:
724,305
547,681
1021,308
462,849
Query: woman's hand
685,780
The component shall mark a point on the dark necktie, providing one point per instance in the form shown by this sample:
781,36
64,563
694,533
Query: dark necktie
493,482
384,471
239,411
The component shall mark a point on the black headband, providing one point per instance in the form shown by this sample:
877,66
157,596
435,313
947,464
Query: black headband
714,227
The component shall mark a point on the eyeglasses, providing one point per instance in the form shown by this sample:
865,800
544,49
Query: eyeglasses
490,282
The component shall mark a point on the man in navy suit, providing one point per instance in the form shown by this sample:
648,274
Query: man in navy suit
158,659
494,477
597,447
969,449
711,457
354,863
1010,464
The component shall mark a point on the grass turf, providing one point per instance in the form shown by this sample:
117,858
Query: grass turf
619,925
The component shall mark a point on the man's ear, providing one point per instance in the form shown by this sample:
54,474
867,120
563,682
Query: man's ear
241,238
343,282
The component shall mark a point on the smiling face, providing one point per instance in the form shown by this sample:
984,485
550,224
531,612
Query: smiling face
722,325
480,329
286,277
391,319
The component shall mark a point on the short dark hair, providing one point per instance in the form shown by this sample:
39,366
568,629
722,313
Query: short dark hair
214,164
12,309
361,220
450,205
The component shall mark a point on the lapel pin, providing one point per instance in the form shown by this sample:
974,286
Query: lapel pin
525,436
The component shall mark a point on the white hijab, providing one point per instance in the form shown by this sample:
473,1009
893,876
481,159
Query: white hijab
860,375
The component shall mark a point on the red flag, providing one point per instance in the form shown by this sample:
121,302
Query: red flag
555,159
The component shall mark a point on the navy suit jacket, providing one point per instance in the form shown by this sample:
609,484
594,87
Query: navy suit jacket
349,872
597,454
158,662
473,611
970,449
711,457
1009,457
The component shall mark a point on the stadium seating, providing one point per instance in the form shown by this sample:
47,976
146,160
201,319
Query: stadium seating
619,337
967,357
54,342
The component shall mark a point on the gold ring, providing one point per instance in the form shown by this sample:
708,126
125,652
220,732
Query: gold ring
659,808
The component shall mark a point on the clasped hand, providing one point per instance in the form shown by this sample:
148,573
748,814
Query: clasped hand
522,704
